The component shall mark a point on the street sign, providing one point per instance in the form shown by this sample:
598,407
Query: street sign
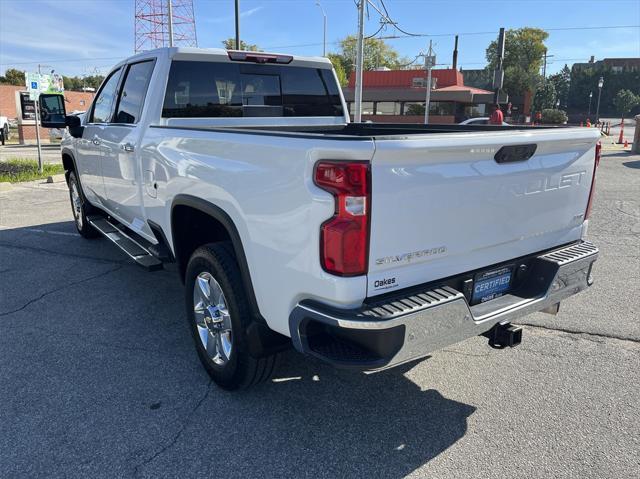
498,78
38,83
430,61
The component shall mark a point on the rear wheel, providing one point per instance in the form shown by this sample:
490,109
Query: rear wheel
218,315
80,208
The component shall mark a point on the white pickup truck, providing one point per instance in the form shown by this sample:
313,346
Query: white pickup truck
364,245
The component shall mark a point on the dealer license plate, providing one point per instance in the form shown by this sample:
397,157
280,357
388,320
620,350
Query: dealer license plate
489,285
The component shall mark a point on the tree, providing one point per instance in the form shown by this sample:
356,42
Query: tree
338,66
13,77
625,101
230,44
377,54
523,56
93,81
415,109
78,83
584,80
561,82
545,97
554,117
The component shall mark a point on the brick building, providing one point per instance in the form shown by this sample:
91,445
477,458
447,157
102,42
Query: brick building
398,96
15,104
616,65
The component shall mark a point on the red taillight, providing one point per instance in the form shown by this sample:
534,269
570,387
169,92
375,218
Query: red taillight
344,238
593,181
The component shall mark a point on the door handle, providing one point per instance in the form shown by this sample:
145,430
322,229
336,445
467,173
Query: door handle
128,147
96,141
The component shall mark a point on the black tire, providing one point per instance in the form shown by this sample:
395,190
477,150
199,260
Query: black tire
80,208
241,370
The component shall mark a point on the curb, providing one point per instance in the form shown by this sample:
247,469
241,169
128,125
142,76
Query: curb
56,178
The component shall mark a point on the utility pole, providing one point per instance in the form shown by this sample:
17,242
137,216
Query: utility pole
455,55
498,74
170,22
324,30
544,66
359,62
429,62
600,85
237,24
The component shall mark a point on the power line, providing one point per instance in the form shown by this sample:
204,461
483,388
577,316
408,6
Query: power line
413,35
392,37
395,24
303,45
382,25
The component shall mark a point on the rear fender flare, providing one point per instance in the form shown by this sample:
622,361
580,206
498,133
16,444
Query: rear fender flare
223,218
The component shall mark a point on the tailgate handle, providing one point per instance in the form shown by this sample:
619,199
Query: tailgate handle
515,153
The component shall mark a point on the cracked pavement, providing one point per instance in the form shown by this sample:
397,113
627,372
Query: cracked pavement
99,377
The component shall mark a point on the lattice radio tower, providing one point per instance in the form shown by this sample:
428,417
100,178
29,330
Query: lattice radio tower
152,24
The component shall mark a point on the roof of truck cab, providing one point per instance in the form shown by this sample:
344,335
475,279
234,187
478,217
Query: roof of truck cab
221,55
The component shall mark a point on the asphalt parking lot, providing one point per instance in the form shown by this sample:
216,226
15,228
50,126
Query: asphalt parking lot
99,377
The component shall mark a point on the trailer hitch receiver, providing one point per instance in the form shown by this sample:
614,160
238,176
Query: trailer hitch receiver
503,335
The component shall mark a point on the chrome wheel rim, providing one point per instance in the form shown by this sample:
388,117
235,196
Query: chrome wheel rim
212,318
76,205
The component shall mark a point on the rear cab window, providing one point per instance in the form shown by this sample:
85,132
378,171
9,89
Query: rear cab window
134,90
210,89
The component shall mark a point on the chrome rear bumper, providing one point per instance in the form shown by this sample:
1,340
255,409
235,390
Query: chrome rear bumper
414,323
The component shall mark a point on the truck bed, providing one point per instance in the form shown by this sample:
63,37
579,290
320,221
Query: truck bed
357,130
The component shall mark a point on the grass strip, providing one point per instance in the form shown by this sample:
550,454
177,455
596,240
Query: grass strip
15,170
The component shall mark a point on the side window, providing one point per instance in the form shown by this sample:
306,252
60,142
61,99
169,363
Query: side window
133,92
104,101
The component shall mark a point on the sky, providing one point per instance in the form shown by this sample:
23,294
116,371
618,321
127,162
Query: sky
77,37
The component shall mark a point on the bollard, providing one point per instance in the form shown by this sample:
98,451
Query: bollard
636,136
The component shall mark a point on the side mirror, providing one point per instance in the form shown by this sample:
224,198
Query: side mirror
74,122
52,110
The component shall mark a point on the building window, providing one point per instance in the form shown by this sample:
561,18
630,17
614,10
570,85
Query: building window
367,108
413,108
418,82
441,108
474,111
387,108
616,69
81,102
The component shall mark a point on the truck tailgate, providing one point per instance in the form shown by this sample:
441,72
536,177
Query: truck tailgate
442,205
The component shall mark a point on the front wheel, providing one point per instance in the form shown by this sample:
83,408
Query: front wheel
80,208
218,315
